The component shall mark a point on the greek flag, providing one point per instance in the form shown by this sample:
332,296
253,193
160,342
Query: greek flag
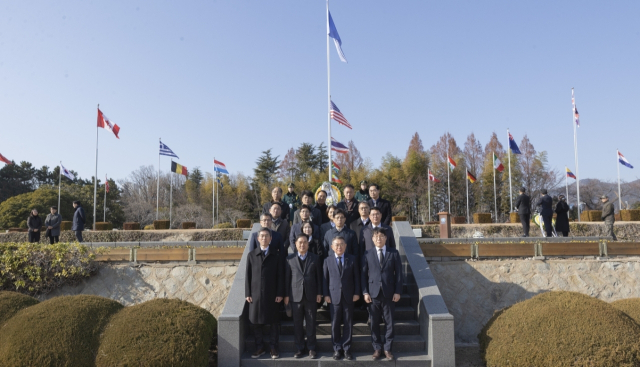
333,33
165,150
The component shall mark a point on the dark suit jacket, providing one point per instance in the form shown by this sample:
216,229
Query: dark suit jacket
307,281
366,238
324,228
387,278
357,227
284,228
351,215
264,282
546,204
285,209
323,212
296,229
316,217
276,242
79,219
523,204
385,209
339,286
349,237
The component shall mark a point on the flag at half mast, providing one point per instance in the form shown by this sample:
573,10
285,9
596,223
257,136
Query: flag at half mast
570,174
432,177
338,147
178,168
338,116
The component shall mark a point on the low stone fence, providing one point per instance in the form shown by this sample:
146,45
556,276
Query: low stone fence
174,235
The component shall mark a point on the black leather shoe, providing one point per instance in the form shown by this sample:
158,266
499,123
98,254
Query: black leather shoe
312,354
337,355
298,354
347,355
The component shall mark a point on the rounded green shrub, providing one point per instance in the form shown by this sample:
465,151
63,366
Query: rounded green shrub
630,306
561,329
149,227
161,332
62,331
11,303
66,225
223,225
243,223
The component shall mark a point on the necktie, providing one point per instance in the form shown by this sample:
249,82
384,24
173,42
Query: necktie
380,256
340,264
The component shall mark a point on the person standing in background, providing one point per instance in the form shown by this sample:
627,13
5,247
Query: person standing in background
79,220
546,211
363,194
562,219
292,200
34,222
608,216
523,204
52,223
377,202
349,205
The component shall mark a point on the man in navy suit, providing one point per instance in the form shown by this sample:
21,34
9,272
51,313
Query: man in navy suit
341,290
341,229
266,221
381,286
377,202
366,236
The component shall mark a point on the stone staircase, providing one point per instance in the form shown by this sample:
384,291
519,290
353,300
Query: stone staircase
408,346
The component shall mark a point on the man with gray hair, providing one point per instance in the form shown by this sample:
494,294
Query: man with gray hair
276,198
608,216
266,221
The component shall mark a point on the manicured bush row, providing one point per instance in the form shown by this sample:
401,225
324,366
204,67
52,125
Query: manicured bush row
479,218
458,220
223,225
131,226
398,218
188,225
514,218
66,225
631,215
104,226
591,216
161,224
230,234
243,223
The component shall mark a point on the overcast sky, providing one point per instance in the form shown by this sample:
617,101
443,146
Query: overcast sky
233,78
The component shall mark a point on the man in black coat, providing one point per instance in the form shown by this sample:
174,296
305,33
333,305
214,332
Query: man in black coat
315,216
304,214
546,211
523,204
350,238
277,243
341,288
562,218
79,220
276,198
366,237
381,285
349,205
322,207
264,290
280,225
358,225
303,285
377,202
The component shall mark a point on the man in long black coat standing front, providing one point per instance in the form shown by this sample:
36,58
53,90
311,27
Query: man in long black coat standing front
562,219
546,211
264,290
523,204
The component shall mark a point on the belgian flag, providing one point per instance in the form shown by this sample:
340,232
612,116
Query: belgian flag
179,169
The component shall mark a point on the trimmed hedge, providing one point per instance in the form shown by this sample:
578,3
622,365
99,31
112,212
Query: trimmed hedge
514,218
149,227
62,331
11,303
591,216
104,226
479,218
131,226
458,220
161,224
399,218
66,225
161,332
631,215
561,329
630,306
243,223
18,230
223,225
188,225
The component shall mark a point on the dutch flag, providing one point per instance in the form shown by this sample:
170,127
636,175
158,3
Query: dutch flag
623,160
220,167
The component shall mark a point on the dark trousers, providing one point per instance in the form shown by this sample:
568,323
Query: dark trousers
54,239
565,233
608,226
380,309
34,236
304,311
341,314
79,236
548,228
526,222
274,335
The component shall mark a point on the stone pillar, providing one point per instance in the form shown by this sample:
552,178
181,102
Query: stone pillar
445,224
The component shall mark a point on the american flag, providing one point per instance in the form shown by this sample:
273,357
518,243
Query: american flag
338,116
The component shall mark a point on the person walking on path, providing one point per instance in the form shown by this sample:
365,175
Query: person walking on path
523,203
79,220
546,211
608,216
562,220
34,222
53,225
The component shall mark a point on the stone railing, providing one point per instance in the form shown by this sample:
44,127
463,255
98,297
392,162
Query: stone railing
436,323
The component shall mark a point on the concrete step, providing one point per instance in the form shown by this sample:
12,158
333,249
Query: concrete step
359,343
407,359
359,315
405,327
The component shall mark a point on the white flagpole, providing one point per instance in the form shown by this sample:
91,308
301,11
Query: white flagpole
448,180
467,180
509,154
217,199
566,185
619,194
170,198
575,151
95,179
59,185
495,196
328,95
158,188
105,199
213,177
429,191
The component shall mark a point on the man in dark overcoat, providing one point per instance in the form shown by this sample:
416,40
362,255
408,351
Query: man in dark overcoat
304,215
377,202
523,204
264,290
266,221
366,237
276,197
381,286
340,229
358,225
341,289
546,211
280,225
562,217
349,205
303,285
315,216
79,220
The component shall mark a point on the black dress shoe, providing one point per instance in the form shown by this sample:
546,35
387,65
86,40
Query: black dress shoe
298,354
337,355
347,355
312,354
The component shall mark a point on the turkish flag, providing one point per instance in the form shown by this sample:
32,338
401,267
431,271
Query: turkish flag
103,122
4,159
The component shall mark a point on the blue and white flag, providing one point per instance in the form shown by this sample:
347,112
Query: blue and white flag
66,173
221,185
623,160
165,150
333,33
513,145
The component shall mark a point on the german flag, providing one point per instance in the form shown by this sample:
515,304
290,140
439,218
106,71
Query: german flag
471,177
179,169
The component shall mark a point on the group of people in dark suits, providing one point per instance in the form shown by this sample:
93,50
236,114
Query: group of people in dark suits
545,205
350,257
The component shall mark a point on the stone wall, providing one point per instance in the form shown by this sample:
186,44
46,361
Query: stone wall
206,285
473,290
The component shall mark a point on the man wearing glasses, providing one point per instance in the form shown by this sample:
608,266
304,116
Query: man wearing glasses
266,221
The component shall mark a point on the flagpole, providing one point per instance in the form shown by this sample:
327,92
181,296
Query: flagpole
448,180
105,200
619,195
328,95
158,188
170,198
213,181
575,151
495,197
467,180
95,179
217,200
59,183
566,184
429,191
509,154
